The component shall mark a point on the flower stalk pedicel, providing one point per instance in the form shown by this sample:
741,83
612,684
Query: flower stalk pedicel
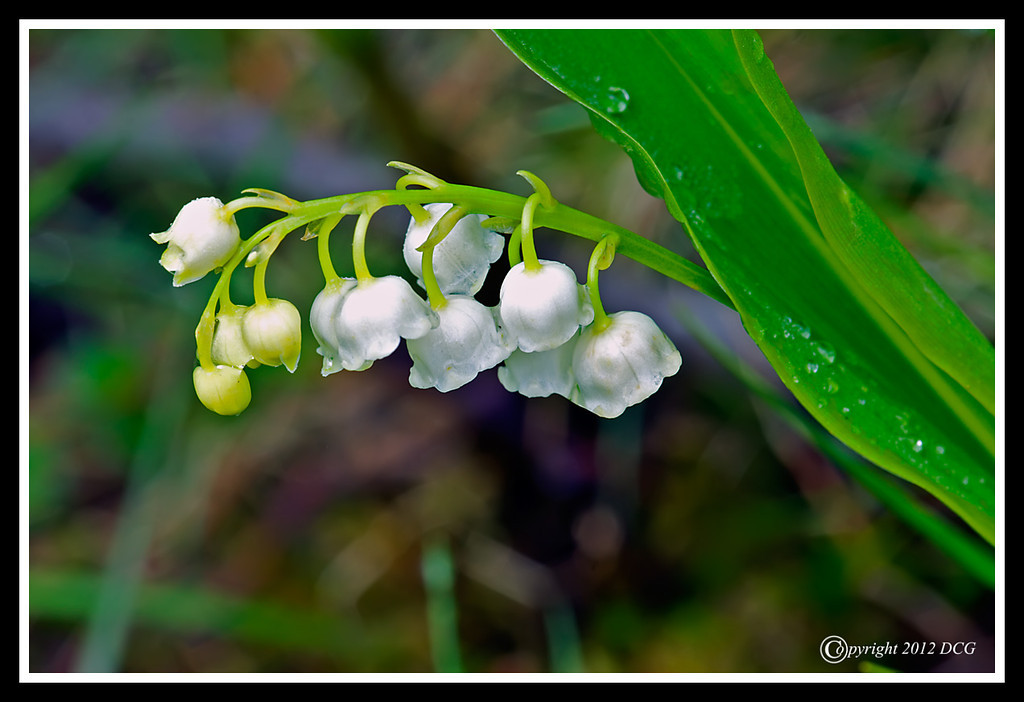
462,259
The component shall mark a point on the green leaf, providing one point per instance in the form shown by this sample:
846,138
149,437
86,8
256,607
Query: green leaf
859,333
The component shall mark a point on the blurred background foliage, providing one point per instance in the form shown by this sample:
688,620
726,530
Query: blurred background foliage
354,524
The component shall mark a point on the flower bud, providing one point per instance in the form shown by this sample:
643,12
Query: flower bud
201,239
466,341
540,373
222,389
272,331
542,309
373,316
622,363
462,259
228,347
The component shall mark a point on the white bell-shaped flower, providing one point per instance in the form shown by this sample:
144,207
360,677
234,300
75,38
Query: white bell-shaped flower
622,363
542,309
540,373
370,319
468,340
322,319
462,259
272,331
201,239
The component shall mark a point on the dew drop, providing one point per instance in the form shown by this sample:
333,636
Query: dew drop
616,100
827,353
832,387
918,445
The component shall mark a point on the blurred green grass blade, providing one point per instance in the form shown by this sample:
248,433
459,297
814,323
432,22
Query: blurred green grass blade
438,575
679,102
186,609
564,648
893,159
866,247
108,624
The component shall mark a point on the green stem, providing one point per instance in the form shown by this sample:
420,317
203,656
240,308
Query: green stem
515,247
359,247
434,294
443,227
559,216
530,260
322,250
241,203
600,259
259,282
204,332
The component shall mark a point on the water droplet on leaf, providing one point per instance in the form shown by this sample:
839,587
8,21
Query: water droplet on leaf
615,100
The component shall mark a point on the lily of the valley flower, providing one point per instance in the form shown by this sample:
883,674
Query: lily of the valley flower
201,239
362,322
322,317
618,364
462,259
222,389
228,347
467,340
543,308
272,331
540,373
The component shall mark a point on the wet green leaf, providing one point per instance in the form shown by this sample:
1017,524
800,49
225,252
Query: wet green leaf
856,329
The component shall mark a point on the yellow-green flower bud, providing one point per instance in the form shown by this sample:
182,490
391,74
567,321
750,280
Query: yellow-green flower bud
222,389
272,331
201,239
228,346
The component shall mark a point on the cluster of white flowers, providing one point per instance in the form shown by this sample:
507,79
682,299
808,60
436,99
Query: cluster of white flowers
542,333
602,364
546,335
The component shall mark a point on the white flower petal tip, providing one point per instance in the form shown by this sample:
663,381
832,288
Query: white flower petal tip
462,259
540,373
201,239
544,308
272,331
357,323
467,340
622,364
